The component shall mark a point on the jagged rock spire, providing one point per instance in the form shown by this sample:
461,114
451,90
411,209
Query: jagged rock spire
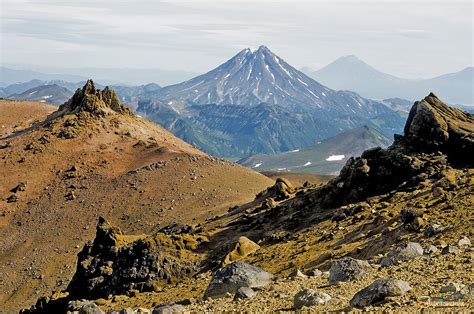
94,101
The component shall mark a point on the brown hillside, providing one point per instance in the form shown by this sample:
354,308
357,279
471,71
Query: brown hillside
94,157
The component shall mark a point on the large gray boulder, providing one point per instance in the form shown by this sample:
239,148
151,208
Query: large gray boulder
308,297
348,269
378,291
403,253
231,277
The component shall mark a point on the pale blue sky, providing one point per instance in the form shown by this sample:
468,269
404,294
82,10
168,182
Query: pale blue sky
419,38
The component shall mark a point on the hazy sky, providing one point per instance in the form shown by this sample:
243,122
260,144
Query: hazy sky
419,38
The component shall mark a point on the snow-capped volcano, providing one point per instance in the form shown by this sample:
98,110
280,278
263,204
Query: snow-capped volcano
250,78
256,102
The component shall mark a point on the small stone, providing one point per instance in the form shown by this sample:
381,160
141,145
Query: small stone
297,274
127,310
315,273
431,249
308,297
438,191
464,242
142,310
450,249
244,293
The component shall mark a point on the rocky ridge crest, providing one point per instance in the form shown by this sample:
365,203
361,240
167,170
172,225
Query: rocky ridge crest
94,101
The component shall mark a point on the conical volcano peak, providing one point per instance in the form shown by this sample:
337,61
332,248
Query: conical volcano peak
94,101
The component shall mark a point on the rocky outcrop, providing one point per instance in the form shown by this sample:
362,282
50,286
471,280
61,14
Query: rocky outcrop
114,263
94,101
433,126
436,137
281,190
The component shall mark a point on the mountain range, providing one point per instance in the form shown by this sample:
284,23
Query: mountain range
326,157
53,94
257,103
351,73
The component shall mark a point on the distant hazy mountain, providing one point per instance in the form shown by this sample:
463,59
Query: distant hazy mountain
258,103
53,94
326,157
351,73
11,76
108,76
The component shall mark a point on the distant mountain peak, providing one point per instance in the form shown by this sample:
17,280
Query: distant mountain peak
249,78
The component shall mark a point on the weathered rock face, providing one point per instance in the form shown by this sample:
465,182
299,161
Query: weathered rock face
115,263
436,136
230,278
94,101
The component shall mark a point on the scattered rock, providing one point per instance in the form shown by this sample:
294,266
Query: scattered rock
308,297
19,188
12,198
451,287
85,307
348,269
378,291
231,277
464,293
408,252
142,310
242,248
169,308
432,230
70,196
244,293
